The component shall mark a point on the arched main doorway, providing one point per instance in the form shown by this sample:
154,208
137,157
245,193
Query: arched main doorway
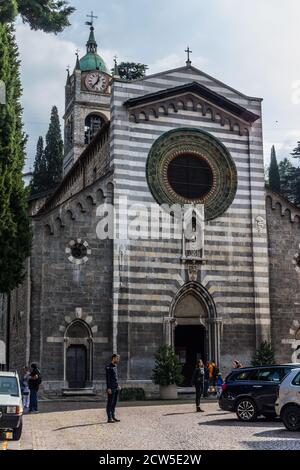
78,355
194,328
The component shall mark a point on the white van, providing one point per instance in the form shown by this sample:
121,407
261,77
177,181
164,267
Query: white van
11,408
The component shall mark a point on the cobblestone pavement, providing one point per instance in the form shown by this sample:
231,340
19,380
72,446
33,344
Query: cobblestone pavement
150,427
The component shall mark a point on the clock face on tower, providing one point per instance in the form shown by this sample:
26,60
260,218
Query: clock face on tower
96,81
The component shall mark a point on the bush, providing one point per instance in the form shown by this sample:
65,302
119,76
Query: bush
167,370
264,355
132,394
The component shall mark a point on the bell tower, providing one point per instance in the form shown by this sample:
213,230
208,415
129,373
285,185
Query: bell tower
87,100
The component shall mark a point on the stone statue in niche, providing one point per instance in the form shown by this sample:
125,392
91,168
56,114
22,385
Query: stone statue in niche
193,233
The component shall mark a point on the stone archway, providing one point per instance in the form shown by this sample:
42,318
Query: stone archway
78,364
193,315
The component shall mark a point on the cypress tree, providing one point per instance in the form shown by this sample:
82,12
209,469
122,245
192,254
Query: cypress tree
274,177
15,235
54,151
39,181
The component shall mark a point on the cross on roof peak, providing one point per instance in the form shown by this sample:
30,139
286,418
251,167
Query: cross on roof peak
92,18
188,51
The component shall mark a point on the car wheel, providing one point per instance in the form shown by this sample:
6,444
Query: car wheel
291,418
17,432
246,410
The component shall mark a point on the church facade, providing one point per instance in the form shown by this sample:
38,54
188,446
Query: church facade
221,280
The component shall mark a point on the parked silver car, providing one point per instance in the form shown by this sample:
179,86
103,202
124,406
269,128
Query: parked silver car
288,403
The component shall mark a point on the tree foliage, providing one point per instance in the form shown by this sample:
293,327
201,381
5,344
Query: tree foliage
15,234
39,179
51,16
274,177
167,369
264,355
131,70
52,161
296,152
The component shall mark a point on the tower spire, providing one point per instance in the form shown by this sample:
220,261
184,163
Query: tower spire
91,45
77,66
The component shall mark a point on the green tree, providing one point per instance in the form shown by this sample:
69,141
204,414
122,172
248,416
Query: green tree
131,70
51,16
264,355
288,175
39,179
274,178
296,152
53,153
167,369
15,234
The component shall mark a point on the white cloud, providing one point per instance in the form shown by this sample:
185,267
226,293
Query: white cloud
173,61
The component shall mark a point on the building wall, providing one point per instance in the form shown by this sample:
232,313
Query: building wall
284,237
149,273
63,291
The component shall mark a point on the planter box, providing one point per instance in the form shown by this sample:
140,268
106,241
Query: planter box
168,392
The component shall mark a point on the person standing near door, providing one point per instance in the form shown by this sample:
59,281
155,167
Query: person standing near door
198,382
112,388
34,382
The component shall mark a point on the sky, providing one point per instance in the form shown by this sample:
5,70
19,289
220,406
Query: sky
251,46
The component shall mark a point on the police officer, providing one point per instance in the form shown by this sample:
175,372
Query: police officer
112,388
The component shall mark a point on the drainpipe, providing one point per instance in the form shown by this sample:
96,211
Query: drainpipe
8,315
28,336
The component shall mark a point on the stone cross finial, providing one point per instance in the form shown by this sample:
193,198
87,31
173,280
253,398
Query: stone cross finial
188,51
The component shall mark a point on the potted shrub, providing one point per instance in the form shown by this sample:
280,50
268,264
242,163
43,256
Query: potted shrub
167,373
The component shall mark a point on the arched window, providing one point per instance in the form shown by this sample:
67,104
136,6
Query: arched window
92,125
78,330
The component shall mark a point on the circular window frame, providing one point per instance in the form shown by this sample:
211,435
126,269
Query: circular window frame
76,260
201,143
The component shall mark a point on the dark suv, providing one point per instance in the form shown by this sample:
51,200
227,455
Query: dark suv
252,391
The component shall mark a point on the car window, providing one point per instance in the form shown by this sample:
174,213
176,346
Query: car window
269,375
9,386
296,380
245,375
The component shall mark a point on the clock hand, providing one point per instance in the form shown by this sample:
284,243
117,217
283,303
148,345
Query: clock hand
96,82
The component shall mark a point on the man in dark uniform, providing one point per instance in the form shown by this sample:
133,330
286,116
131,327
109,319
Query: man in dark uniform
112,388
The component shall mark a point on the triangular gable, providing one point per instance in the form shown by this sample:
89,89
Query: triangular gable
201,97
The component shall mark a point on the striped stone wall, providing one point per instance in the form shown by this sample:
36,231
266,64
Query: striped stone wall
149,273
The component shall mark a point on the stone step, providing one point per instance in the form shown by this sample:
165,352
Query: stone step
79,392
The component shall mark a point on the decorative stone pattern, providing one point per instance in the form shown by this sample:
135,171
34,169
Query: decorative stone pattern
197,142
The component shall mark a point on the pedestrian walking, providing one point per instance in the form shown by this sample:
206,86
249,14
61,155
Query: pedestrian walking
25,388
112,388
211,368
219,384
206,380
34,382
198,383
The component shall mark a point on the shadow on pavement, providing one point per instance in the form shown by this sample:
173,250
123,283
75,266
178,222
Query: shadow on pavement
80,426
281,433
183,413
235,422
272,445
